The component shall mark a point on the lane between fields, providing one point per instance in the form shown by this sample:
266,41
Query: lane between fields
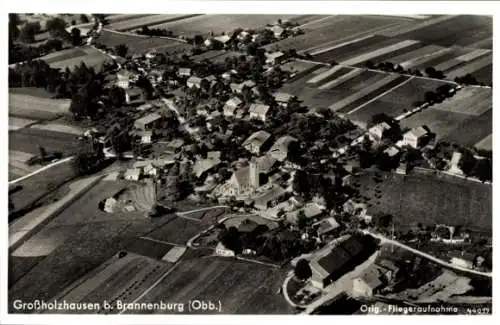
54,164
386,240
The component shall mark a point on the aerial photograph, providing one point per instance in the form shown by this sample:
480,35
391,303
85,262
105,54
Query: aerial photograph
249,164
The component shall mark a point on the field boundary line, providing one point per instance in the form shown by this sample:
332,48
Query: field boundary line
160,241
379,96
315,21
40,170
144,36
359,39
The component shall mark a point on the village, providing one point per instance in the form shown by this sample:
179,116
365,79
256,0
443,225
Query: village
290,178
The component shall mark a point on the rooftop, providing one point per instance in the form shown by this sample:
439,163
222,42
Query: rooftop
258,137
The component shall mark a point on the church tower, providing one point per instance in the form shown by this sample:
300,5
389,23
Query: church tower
254,174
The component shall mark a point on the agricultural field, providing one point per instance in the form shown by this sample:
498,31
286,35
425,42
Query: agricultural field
430,199
148,247
138,22
117,279
334,30
95,238
452,30
465,119
241,287
179,230
218,24
75,56
138,44
485,144
29,139
16,123
35,107
400,98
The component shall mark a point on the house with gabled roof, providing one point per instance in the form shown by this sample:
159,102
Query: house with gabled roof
280,148
259,111
194,82
378,131
231,106
255,142
415,137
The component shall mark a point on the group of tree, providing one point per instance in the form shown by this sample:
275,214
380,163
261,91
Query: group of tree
469,79
471,166
431,72
145,30
391,67
89,159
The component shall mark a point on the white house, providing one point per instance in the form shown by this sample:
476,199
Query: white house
275,58
194,82
123,79
184,72
377,131
282,98
145,136
221,250
367,284
258,111
414,137
231,105
132,174
455,159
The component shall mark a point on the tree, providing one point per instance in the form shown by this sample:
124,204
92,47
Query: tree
467,162
121,50
84,19
483,170
302,269
14,21
117,96
301,220
29,31
56,26
382,220
198,40
76,37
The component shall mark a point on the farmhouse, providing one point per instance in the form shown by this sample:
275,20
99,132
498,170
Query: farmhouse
145,136
246,179
184,72
148,122
275,58
281,147
311,210
277,30
203,166
259,111
391,151
123,78
330,263
378,131
327,226
132,174
134,96
282,98
415,136
194,82
231,105
367,284
223,39
455,159
267,164
256,141
238,88
221,250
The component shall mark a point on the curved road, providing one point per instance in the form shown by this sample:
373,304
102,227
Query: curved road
386,240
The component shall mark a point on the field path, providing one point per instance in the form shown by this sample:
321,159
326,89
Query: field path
386,240
40,170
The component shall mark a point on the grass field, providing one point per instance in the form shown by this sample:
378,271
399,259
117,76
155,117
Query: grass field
400,98
472,130
16,123
75,56
439,122
142,44
133,23
149,248
218,24
241,287
430,200
40,184
469,100
485,144
336,30
35,107
29,139
31,91
179,230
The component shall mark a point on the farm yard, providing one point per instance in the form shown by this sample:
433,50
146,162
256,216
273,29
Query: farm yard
429,199
227,280
217,24
139,44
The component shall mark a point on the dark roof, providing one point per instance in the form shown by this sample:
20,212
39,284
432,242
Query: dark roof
335,260
352,246
247,225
